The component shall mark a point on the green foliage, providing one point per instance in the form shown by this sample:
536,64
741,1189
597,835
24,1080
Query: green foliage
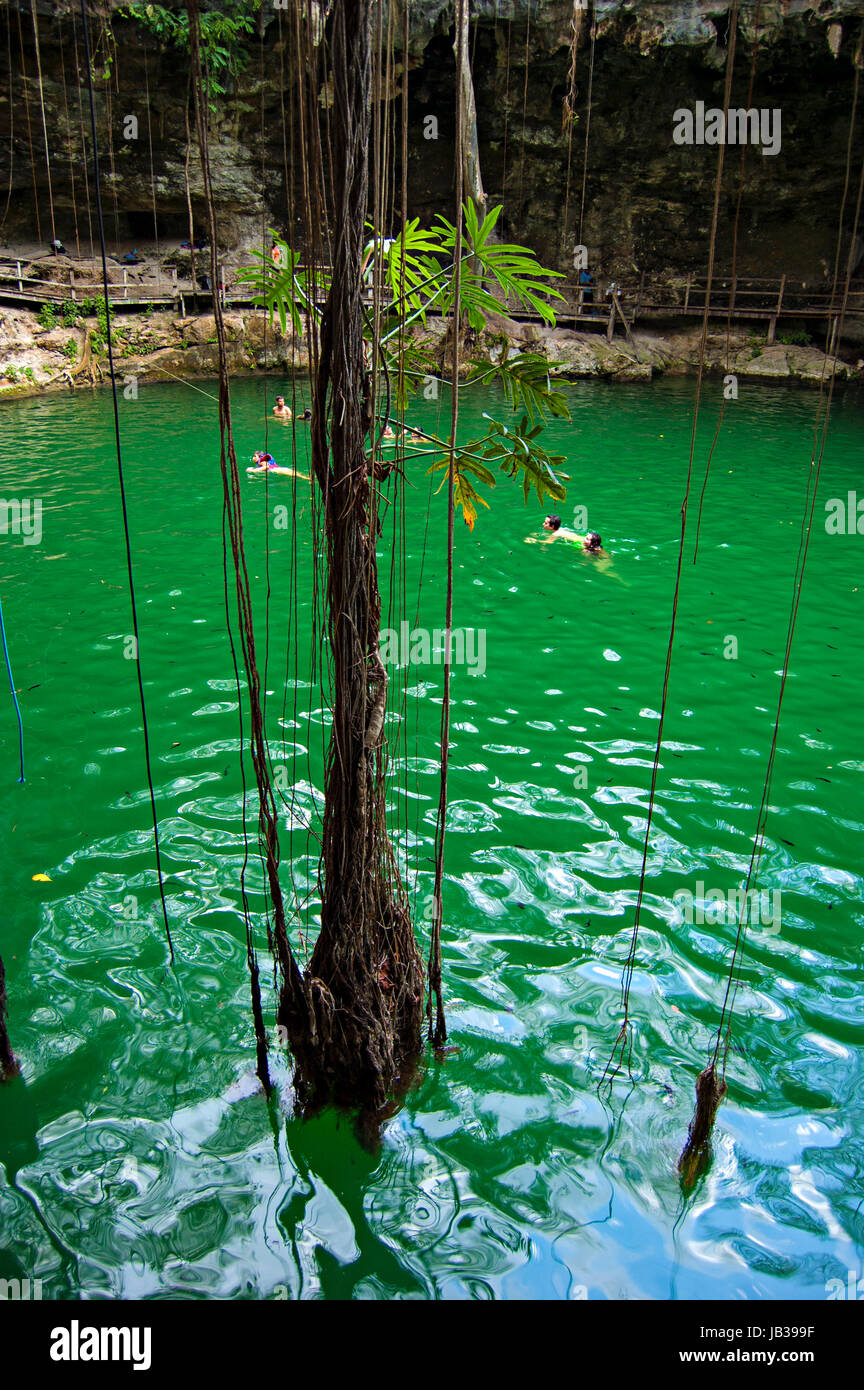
47,317
417,270
512,270
280,289
516,453
88,307
798,338
526,382
223,24
411,267
69,311
29,374
10,372
71,350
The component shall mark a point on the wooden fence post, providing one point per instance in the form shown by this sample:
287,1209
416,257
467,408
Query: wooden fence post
772,322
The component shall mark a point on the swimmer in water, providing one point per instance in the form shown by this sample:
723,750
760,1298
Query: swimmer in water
591,543
265,463
388,432
281,410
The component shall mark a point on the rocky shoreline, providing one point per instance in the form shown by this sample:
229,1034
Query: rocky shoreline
153,346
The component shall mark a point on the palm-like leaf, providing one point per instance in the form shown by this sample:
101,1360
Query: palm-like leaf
283,290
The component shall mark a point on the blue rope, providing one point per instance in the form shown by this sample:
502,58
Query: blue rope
14,695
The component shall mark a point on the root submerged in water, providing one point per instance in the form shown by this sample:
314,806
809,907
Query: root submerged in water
696,1154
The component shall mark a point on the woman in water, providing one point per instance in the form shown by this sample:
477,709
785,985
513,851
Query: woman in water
265,463
590,543
263,460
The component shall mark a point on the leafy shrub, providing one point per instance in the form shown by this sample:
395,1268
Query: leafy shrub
47,317
69,310
798,338
71,350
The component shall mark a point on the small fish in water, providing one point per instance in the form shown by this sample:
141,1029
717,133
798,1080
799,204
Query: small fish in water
41,878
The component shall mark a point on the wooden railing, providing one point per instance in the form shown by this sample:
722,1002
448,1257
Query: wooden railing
760,298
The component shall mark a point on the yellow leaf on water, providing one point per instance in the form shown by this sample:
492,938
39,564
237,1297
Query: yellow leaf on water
41,878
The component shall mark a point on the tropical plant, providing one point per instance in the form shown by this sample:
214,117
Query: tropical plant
417,271
222,27
47,317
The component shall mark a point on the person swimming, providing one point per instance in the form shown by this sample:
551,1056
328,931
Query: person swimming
265,463
590,544
281,410
263,459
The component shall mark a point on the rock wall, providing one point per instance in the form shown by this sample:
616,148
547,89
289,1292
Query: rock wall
647,200
156,347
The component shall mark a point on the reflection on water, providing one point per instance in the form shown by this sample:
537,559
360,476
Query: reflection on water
140,1158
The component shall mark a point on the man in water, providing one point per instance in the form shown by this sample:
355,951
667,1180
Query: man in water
591,543
281,410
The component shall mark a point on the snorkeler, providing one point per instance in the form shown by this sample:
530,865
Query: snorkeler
281,410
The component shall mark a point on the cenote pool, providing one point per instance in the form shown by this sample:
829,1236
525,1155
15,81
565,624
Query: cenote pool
139,1161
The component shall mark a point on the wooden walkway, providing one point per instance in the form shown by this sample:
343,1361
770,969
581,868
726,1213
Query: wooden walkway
745,299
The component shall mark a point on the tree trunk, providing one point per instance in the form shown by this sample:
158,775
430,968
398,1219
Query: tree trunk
364,984
472,180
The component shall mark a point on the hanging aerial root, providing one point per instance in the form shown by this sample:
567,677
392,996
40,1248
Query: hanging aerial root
696,1154
569,110
8,1062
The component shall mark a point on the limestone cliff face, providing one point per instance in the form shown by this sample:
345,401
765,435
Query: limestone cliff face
647,203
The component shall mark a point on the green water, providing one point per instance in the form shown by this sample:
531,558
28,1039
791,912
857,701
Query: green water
139,1161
